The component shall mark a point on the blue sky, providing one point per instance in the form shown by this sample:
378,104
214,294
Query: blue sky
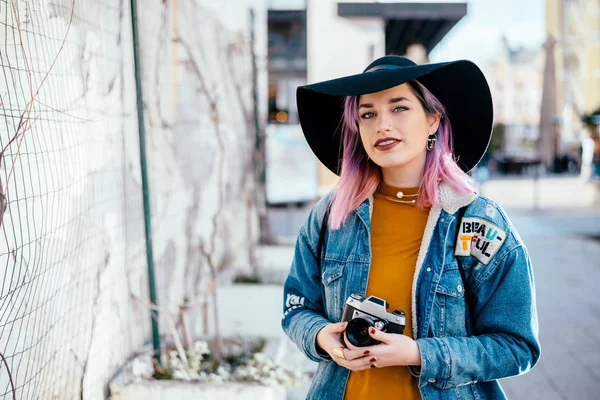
477,35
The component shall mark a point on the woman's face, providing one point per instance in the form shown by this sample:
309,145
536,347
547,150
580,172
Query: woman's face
394,127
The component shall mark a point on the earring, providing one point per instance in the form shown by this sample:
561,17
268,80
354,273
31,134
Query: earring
430,141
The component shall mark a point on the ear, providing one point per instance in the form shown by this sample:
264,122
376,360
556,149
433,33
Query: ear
434,122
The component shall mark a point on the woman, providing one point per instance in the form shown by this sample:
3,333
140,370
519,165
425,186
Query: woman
405,224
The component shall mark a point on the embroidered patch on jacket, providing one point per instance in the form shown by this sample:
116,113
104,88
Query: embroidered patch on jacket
292,302
479,238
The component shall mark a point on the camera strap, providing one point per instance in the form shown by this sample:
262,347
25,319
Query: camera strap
321,242
320,246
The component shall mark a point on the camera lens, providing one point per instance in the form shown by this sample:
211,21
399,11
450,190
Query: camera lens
358,332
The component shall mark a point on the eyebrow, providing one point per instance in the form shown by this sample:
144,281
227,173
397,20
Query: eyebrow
392,101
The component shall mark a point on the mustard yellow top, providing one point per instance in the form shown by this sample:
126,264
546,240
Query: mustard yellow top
396,235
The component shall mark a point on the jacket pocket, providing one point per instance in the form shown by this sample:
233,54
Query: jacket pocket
332,272
332,281
449,313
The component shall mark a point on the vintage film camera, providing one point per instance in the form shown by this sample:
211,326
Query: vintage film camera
363,313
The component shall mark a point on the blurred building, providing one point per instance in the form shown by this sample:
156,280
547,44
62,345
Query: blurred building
575,25
515,79
315,40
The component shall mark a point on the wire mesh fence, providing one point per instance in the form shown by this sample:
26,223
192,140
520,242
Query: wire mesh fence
71,202
73,294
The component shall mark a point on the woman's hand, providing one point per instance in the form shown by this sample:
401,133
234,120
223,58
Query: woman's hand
394,349
329,339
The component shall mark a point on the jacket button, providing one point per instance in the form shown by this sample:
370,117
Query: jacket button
459,288
428,269
431,380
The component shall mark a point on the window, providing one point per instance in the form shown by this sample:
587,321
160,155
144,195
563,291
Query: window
287,63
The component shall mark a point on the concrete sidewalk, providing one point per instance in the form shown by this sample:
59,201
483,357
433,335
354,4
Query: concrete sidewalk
565,252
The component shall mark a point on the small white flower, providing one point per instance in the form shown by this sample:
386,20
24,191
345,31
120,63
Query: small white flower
141,369
201,347
180,375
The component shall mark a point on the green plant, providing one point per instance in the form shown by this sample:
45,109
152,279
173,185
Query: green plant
250,279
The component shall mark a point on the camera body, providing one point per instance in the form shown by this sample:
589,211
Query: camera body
362,313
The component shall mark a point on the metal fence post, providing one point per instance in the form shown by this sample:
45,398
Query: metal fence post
145,186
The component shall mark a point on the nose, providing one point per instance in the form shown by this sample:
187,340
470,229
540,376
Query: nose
383,125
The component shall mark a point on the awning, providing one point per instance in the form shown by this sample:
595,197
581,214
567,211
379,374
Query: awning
409,23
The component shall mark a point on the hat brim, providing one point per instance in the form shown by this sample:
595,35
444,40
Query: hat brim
459,85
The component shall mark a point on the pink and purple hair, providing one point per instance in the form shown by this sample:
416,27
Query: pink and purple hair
360,177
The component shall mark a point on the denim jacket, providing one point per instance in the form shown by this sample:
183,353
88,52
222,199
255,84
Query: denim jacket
470,332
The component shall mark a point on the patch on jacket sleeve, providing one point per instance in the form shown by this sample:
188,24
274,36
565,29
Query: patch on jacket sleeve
292,302
479,238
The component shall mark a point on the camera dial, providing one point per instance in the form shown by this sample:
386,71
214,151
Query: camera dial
379,325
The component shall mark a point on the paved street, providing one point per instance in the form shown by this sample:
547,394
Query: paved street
563,238
565,251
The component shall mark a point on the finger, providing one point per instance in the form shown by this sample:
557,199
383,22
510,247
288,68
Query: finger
339,327
362,363
348,344
359,352
378,335
342,362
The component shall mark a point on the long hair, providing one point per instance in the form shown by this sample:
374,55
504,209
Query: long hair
360,177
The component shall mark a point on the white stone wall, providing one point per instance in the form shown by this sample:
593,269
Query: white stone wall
201,135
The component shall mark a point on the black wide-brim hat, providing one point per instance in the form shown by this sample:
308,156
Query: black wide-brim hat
459,85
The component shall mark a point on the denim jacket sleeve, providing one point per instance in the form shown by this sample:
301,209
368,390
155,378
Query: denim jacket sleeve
303,310
504,324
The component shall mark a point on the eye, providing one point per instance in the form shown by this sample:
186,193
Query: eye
400,108
368,115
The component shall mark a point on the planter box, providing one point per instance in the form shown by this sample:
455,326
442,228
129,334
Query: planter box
129,386
181,390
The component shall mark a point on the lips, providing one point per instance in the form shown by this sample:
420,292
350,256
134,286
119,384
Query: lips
386,143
